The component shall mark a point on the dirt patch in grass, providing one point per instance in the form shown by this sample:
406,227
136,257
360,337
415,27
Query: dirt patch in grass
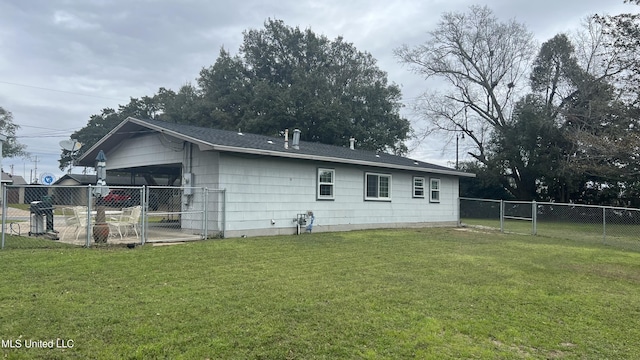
168,243
478,229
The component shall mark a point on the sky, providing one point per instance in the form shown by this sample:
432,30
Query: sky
63,60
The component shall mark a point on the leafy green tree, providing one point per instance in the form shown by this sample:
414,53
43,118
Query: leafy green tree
226,91
183,107
488,183
549,150
287,77
11,147
283,77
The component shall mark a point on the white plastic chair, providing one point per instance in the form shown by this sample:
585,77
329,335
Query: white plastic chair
74,218
70,220
129,219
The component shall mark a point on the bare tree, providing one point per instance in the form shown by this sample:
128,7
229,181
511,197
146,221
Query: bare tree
484,63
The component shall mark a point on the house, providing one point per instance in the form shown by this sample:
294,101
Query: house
268,181
14,194
121,179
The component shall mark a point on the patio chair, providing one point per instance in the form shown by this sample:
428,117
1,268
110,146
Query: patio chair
74,218
70,220
129,219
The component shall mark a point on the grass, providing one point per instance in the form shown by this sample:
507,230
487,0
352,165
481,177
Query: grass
624,236
427,293
24,242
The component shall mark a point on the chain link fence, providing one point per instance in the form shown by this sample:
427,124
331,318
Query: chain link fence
181,214
480,212
63,216
614,226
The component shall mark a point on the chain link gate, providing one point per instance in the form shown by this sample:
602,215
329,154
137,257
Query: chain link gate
183,213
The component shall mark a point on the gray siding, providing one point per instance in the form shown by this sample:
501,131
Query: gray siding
153,149
261,189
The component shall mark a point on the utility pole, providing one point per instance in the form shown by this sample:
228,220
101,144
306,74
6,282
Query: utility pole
456,151
457,140
2,140
35,175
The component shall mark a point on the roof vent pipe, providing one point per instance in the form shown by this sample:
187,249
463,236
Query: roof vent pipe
352,143
296,139
286,138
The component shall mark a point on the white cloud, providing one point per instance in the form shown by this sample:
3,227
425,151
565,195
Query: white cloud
72,21
112,50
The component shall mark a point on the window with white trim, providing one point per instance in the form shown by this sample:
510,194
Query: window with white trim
326,183
434,190
377,186
418,187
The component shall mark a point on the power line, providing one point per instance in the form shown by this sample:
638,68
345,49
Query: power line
60,91
46,128
42,136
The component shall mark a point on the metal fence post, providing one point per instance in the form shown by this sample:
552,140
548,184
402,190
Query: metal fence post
89,201
604,225
205,217
224,211
459,221
4,212
534,218
145,207
502,216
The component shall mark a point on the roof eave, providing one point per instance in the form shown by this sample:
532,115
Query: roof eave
96,146
294,155
204,146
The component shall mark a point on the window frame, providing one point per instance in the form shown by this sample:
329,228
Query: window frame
421,187
366,186
433,191
320,183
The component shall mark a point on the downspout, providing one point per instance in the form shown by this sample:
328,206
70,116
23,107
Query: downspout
188,154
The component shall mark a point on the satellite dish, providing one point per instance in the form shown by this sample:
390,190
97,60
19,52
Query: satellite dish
70,145
47,178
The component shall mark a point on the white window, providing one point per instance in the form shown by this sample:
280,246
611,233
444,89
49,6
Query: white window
418,187
434,190
377,187
326,182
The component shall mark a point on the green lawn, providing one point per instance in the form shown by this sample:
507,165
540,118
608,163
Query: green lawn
624,236
388,294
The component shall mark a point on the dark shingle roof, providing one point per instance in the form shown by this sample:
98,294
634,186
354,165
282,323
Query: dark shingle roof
12,179
223,140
